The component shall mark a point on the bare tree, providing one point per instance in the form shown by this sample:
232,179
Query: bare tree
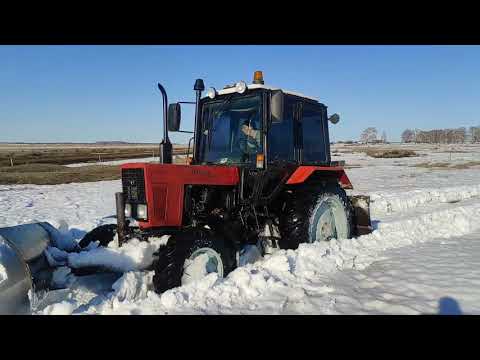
368,135
441,136
384,137
408,136
475,134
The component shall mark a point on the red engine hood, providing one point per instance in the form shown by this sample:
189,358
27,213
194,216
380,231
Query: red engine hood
165,185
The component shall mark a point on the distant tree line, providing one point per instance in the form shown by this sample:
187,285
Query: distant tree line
369,136
459,135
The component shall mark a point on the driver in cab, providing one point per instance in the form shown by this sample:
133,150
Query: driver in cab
250,136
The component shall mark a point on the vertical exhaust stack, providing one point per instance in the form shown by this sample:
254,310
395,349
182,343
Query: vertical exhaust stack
165,145
198,87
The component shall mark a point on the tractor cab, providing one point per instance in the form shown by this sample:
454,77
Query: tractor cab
257,125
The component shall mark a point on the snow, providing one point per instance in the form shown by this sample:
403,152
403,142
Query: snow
81,206
422,258
194,269
3,271
63,308
62,277
114,162
415,280
134,255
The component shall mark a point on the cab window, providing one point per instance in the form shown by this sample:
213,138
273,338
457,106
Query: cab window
314,134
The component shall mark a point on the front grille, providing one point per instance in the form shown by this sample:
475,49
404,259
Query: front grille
133,186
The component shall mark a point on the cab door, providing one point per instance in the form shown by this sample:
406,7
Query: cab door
314,145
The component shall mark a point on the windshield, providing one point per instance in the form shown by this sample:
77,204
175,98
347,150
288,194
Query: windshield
231,131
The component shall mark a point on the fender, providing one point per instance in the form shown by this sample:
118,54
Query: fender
302,173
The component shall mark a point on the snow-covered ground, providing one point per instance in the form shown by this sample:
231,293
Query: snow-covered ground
422,258
114,162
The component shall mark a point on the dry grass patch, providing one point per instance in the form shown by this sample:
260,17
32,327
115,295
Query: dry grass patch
390,153
428,165
466,165
50,174
448,166
68,155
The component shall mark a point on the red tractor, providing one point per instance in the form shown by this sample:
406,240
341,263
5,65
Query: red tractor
260,174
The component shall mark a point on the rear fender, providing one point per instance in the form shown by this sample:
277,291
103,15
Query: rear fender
306,173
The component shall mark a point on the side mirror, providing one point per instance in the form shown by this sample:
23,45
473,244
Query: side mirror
174,117
335,118
276,106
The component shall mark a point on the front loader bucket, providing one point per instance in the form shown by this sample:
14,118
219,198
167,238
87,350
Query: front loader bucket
361,214
22,263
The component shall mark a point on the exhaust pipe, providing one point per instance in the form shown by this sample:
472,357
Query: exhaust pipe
23,266
166,154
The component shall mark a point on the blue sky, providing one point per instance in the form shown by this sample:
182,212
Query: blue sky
94,93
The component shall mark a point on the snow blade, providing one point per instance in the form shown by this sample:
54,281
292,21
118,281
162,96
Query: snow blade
21,260
361,214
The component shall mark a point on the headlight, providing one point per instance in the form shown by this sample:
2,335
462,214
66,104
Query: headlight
241,86
128,210
142,211
211,93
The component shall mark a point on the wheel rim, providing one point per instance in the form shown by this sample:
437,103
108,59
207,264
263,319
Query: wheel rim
202,262
330,221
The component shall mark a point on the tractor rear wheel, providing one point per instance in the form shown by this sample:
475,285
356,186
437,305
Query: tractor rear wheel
314,214
188,257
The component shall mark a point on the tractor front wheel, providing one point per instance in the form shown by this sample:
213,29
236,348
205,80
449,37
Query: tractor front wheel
190,256
104,234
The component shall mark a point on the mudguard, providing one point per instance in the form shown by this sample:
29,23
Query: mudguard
302,173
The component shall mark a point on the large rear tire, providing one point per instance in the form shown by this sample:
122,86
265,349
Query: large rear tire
188,256
316,213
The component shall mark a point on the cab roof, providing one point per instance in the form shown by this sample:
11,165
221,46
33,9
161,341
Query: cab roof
267,87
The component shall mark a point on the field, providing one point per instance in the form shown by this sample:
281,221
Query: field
50,164
422,258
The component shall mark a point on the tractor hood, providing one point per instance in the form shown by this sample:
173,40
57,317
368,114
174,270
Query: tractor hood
161,187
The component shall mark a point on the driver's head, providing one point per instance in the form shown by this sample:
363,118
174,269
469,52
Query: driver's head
251,122
247,122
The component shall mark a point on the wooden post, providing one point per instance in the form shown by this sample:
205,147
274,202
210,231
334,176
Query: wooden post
11,159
